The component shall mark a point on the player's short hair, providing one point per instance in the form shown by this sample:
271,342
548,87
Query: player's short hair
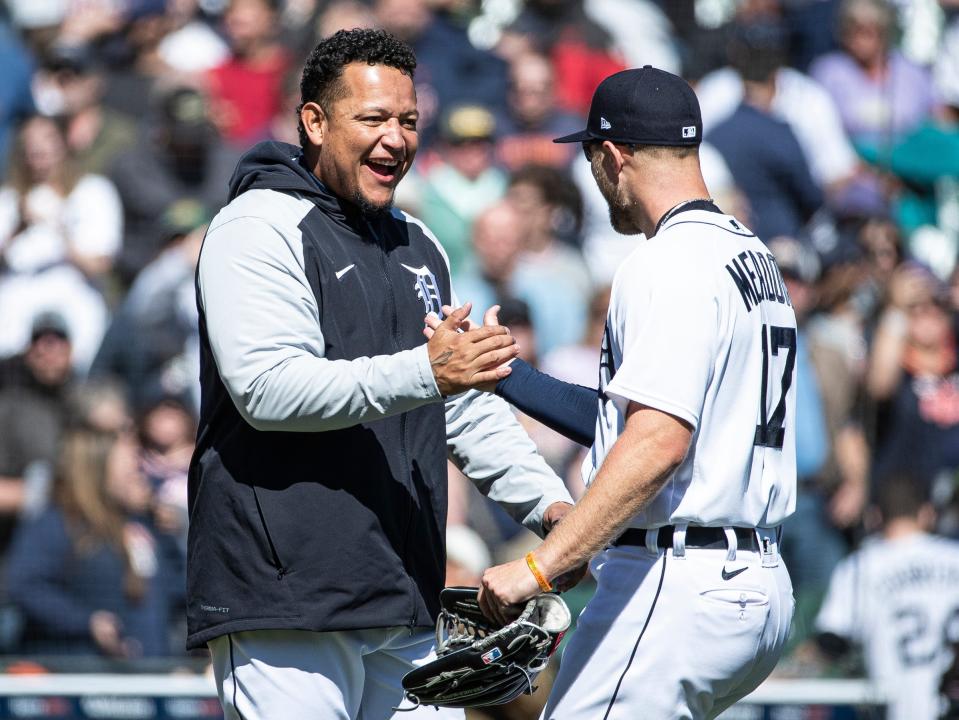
900,495
666,152
323,71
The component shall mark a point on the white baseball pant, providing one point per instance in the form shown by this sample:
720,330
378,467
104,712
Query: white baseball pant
346,675
677,633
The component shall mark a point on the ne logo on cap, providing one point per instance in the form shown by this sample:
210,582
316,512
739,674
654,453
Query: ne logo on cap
604,124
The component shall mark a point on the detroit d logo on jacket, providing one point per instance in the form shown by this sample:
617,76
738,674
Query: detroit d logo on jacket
426,289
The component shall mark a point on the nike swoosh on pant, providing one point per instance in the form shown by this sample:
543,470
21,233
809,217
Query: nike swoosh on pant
734,573
341,273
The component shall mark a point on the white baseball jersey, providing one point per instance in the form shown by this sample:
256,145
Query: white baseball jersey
899,599
700,326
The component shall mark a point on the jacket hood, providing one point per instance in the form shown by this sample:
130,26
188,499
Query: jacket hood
274,166
280,166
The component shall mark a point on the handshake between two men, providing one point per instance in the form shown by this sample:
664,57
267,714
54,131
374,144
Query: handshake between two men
466,356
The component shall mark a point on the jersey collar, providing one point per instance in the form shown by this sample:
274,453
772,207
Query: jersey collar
706,204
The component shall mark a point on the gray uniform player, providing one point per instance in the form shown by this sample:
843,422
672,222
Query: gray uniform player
692,468
898,598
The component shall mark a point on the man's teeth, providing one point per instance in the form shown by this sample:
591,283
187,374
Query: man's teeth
385,163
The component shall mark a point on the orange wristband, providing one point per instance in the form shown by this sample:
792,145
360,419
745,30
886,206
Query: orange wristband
543,582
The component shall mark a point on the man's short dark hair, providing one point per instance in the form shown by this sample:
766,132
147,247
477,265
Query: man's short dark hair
900,495
321,81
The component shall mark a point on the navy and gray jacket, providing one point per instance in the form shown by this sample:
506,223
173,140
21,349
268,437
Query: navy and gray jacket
318,485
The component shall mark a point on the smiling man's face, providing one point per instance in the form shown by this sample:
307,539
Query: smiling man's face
369,136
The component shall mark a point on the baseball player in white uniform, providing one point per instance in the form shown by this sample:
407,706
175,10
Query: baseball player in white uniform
898,598
692,468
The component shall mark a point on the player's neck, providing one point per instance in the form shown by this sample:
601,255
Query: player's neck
899,528
662,200
660,184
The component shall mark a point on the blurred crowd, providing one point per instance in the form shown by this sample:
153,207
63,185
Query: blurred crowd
831,129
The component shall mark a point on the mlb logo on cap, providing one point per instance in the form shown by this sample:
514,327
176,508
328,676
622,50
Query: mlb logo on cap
644,106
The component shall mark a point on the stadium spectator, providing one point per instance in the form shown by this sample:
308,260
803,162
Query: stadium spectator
880,94
464,181
283,125
811,29
167,429
836,336
343,15
52,213
533,119
641,31
246,90
767,162
71,85
59,231
913,376
150,344
496,275
85,573
128,35
757,50
34,390
926,161
581,51
496,243
16,101
896,598
449,69
179,157
551,208
190,45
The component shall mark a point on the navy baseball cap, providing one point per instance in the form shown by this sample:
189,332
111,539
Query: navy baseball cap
644,106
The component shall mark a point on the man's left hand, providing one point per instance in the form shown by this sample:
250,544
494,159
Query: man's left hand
554,513
505,589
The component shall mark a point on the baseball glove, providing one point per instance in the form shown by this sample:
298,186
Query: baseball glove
481,663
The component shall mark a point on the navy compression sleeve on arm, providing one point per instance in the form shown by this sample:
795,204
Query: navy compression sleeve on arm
568,409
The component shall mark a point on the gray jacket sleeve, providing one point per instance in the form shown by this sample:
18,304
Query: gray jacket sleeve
490,447
263,324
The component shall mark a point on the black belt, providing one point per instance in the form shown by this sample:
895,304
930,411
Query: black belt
696,536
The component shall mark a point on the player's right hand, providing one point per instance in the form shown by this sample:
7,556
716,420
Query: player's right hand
463,356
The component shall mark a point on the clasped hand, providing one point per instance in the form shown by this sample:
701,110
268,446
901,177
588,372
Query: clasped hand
464,356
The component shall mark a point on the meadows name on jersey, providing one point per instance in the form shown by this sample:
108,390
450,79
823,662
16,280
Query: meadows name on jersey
763,281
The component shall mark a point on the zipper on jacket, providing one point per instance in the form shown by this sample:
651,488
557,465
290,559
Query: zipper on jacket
280,570
403,429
